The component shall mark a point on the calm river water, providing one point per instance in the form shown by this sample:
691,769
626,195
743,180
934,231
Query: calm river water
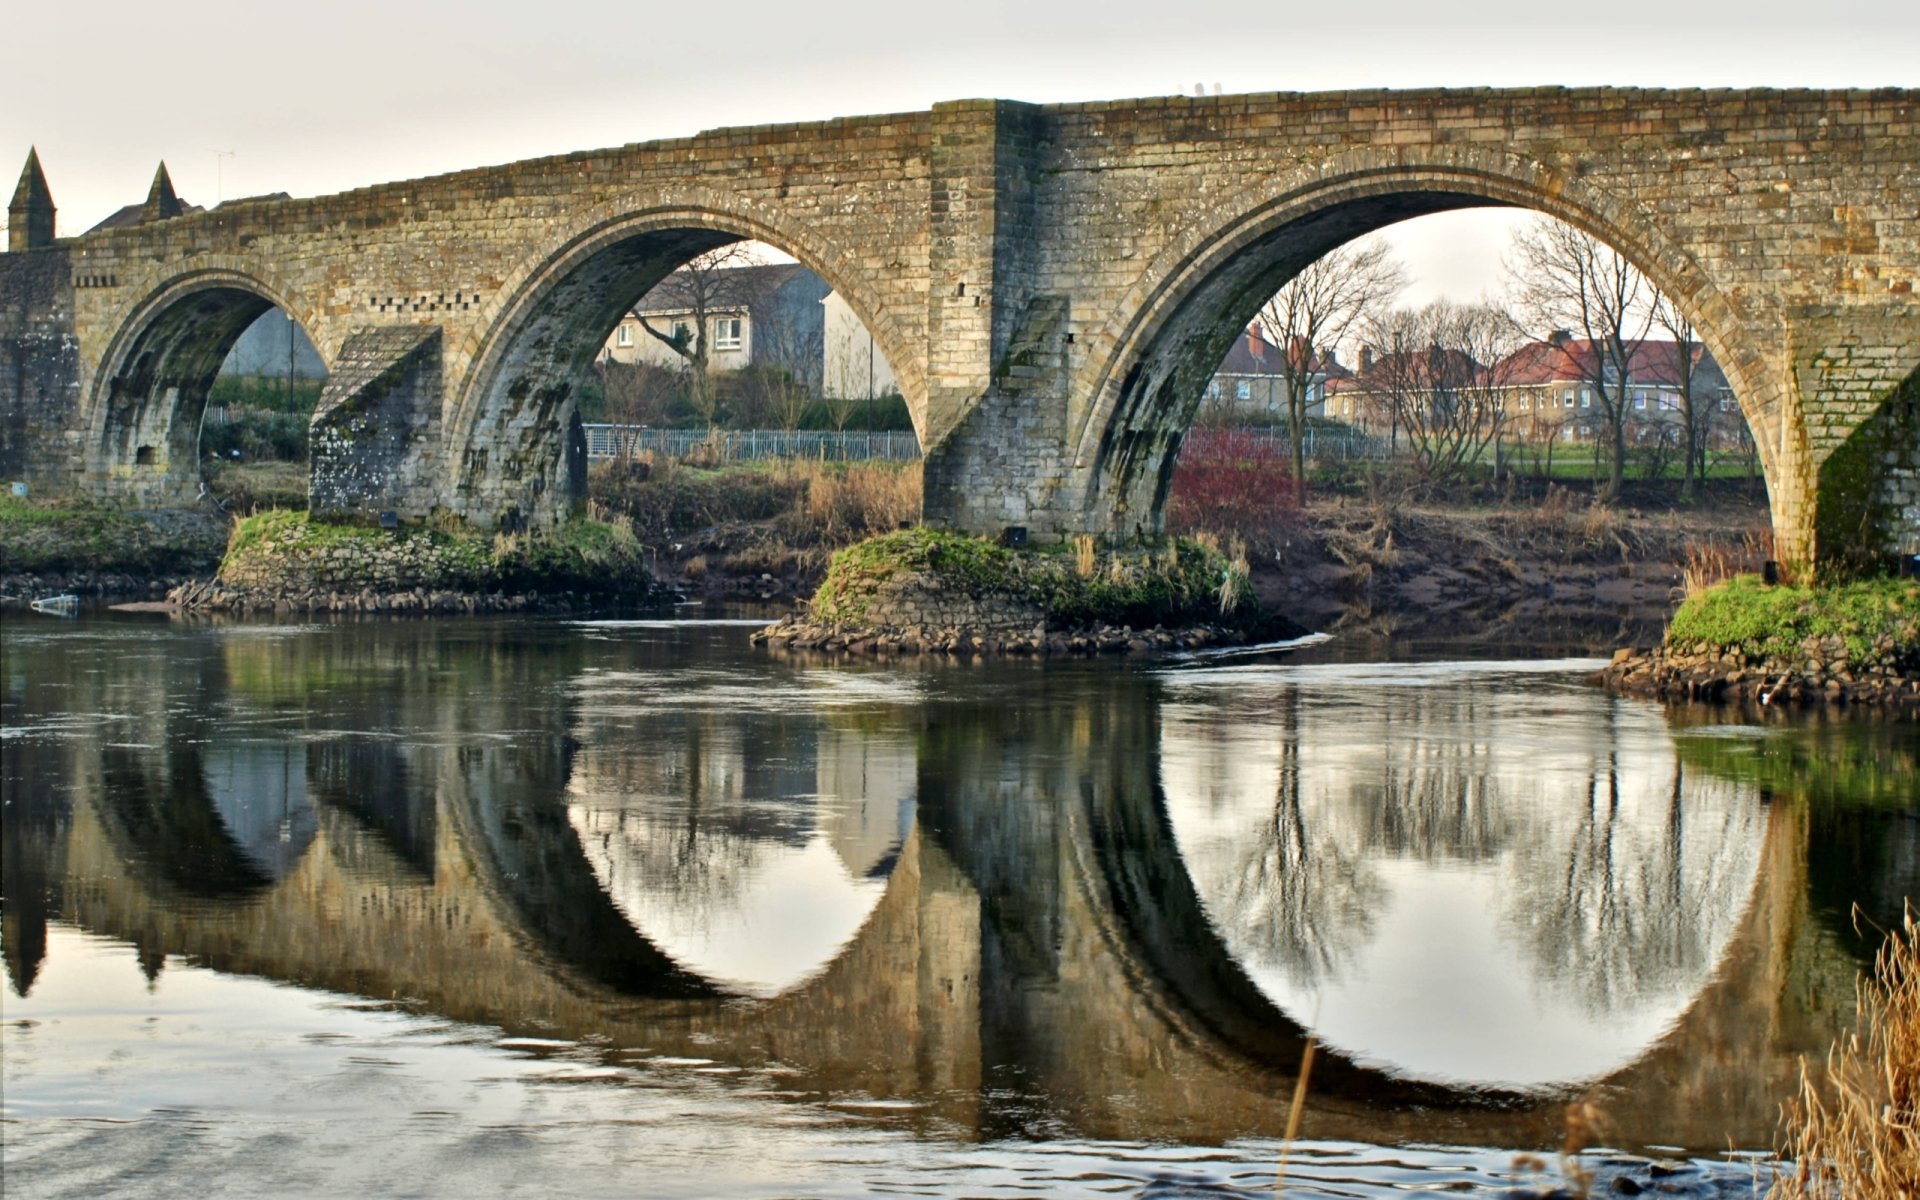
469,908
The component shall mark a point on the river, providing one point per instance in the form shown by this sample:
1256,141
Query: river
393,907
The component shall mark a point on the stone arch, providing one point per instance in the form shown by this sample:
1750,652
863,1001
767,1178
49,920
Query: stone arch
509,440
153,382
1145,366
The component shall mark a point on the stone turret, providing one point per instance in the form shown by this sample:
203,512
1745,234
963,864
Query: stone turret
30,215
161,201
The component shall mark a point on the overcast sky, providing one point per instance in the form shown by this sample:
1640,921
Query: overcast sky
324,97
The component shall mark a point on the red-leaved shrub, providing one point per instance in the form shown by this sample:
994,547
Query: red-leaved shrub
1233,482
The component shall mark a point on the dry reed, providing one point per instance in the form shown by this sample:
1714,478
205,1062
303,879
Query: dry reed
1714,561
1083,555
850,502
1856,1134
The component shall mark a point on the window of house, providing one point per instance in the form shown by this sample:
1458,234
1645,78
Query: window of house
1243,390
1569,400
726,333
683,333
1586,397
624,335
1640,400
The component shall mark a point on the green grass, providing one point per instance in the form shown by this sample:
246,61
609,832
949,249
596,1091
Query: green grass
1771,622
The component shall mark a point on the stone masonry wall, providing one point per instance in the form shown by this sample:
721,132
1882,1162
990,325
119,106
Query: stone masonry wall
40,407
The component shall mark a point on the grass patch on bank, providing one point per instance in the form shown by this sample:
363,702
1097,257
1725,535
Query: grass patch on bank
49,536
1746,614
1182,583
286,549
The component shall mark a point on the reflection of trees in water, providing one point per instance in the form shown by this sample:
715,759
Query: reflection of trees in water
702,803
695,808
1636,897
1619,883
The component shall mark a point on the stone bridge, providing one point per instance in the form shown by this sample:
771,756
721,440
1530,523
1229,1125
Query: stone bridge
1053,284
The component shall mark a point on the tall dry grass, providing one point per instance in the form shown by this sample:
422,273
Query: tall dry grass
1856,1133
1714,561
846,503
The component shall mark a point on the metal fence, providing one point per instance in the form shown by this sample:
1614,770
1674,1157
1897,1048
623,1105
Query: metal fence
741,445
1316,442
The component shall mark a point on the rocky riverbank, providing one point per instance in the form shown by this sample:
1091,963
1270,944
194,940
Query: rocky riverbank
89,549
967,640
282,562
1745,641
926,591
210,595
1820,673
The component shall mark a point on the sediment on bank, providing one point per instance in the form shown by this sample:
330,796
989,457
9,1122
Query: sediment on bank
932,591
1744,641
282,561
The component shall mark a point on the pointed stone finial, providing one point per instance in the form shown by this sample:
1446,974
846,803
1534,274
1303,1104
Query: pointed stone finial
30,215
161,202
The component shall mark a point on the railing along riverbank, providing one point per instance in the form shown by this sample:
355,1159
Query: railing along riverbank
744,445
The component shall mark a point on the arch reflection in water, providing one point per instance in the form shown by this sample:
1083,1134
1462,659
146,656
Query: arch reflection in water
748,848
260,791
1451,883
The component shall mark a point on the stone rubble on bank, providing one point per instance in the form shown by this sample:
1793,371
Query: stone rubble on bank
791,633
1822,674
210,595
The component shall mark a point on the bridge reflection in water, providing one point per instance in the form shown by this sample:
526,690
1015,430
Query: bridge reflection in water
1079,898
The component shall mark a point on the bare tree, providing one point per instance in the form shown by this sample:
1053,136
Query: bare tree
710,285
637,393
1569,279
1695,409
1316,309
1441,371
787,370
841,405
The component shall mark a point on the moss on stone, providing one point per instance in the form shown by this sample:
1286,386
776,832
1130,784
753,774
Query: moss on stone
1854,517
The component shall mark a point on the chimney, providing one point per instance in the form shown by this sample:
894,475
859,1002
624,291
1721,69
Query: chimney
30,215
1256,345
1366,358
1559,338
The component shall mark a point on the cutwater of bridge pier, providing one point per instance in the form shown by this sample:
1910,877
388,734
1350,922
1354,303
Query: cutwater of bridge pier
1052,283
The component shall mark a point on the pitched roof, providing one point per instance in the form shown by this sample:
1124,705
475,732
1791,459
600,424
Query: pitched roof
1253,354
1653,362
740,287
1449,368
